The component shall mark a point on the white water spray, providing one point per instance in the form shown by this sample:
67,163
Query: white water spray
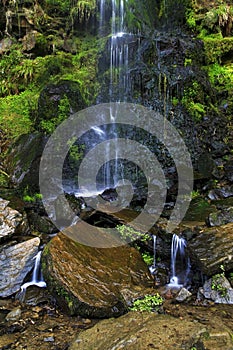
152,268
37,278
178,249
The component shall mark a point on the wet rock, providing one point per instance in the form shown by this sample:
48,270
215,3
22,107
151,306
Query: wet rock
29,40
221,217
49,339
211,248
5,44
229,170
14,315
10,219
88,281
33,295
198,210
140,331
183,295
221,193
40,223
205,165
16,262
217,289
23,161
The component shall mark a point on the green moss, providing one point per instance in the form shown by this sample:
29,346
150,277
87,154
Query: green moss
63,113
194,101
129,233
216,48
216,283
148,258
18,110
148,303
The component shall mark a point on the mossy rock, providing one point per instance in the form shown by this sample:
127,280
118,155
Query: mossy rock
52,94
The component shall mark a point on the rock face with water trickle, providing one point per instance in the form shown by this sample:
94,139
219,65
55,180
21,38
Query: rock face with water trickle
16,260
91,281
211,248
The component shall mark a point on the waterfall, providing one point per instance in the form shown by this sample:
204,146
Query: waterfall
37,278
119,54
178,255
118,79
152,268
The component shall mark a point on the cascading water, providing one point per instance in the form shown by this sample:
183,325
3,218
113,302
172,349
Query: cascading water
152,268
178,255
37,277
119,81
115,87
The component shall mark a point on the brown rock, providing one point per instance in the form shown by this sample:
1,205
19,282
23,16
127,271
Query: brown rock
88,281
140,331
211,248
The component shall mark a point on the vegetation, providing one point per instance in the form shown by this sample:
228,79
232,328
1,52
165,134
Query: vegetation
69,50
216,283
17,110
130,234
214,27
148,258
63,113
32,199
150,303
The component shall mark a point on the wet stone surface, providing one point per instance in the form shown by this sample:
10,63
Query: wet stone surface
46,327
40,327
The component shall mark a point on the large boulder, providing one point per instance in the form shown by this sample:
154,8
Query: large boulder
141,331
211,248
89,281
16,262
10,220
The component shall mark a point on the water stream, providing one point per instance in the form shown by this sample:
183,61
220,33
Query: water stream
152,268
178,256
37,277
119,80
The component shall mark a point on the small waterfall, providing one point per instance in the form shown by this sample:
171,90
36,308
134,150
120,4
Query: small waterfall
119,77
152,268
178,255
37,278
120,85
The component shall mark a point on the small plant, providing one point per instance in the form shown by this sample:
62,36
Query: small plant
216,283
32,199
148,258
128,233
175,101
195,194
149,303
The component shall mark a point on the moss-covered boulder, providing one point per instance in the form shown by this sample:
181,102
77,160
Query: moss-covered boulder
93,282
57,101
